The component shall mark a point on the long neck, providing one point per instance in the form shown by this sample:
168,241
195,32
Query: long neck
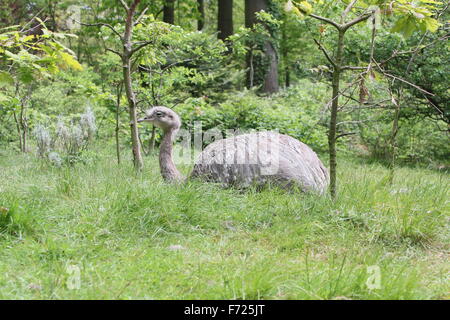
168,169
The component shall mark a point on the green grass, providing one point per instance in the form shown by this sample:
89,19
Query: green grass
136,237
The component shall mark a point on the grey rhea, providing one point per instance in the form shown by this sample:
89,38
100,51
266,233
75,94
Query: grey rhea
242,160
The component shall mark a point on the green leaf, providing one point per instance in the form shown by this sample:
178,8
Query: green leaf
26,75
70,61
431,24
4,99
405,26
306,7
289,6
6,79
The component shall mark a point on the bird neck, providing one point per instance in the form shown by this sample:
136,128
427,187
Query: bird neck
168,169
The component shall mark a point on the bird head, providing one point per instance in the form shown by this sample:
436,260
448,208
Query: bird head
163,118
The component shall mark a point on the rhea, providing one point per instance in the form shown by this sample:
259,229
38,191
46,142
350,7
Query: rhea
242,160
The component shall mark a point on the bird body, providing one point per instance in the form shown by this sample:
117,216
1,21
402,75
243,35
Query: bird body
261,158
243,160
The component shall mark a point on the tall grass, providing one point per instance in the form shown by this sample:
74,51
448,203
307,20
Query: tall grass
134,236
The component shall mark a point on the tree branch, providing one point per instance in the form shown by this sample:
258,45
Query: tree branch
325,53
101,24
124,5
114,51
347,10
141,16
140,46
353,68
344,134
340,27
31,20
329,21
402,80
409,83
357,20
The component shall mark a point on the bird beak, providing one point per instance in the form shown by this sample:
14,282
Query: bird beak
144,119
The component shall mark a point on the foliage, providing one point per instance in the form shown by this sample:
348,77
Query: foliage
247,111
417,141
67,143
409,16
28,58
191,62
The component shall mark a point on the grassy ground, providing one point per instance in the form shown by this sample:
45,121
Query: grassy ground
134,236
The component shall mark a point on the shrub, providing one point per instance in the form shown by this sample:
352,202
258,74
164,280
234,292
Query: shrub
292,112
69,141
417,141
43,140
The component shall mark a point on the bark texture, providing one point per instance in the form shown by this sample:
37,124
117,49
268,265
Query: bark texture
169,11
225,19
131,97
264,72
201,11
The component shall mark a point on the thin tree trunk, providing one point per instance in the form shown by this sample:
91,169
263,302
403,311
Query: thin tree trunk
19,132
287,77
285,55
338,67
169,11
251,69
24,137
137,156
23,125
131,97
119,95
51,5
394,142
151,145
334,112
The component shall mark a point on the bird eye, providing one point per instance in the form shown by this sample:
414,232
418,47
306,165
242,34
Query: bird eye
159,114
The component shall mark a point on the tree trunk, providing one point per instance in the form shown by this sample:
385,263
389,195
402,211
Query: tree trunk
251,72
119,95
265,69
201,11
19,132
24,136
271,78
136,146
169,11
24,126
334,112
51,6
225,19
151,144
287,77
393,142
285,55
131,97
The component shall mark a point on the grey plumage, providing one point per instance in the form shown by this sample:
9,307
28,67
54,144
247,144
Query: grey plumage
259,158
244,160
